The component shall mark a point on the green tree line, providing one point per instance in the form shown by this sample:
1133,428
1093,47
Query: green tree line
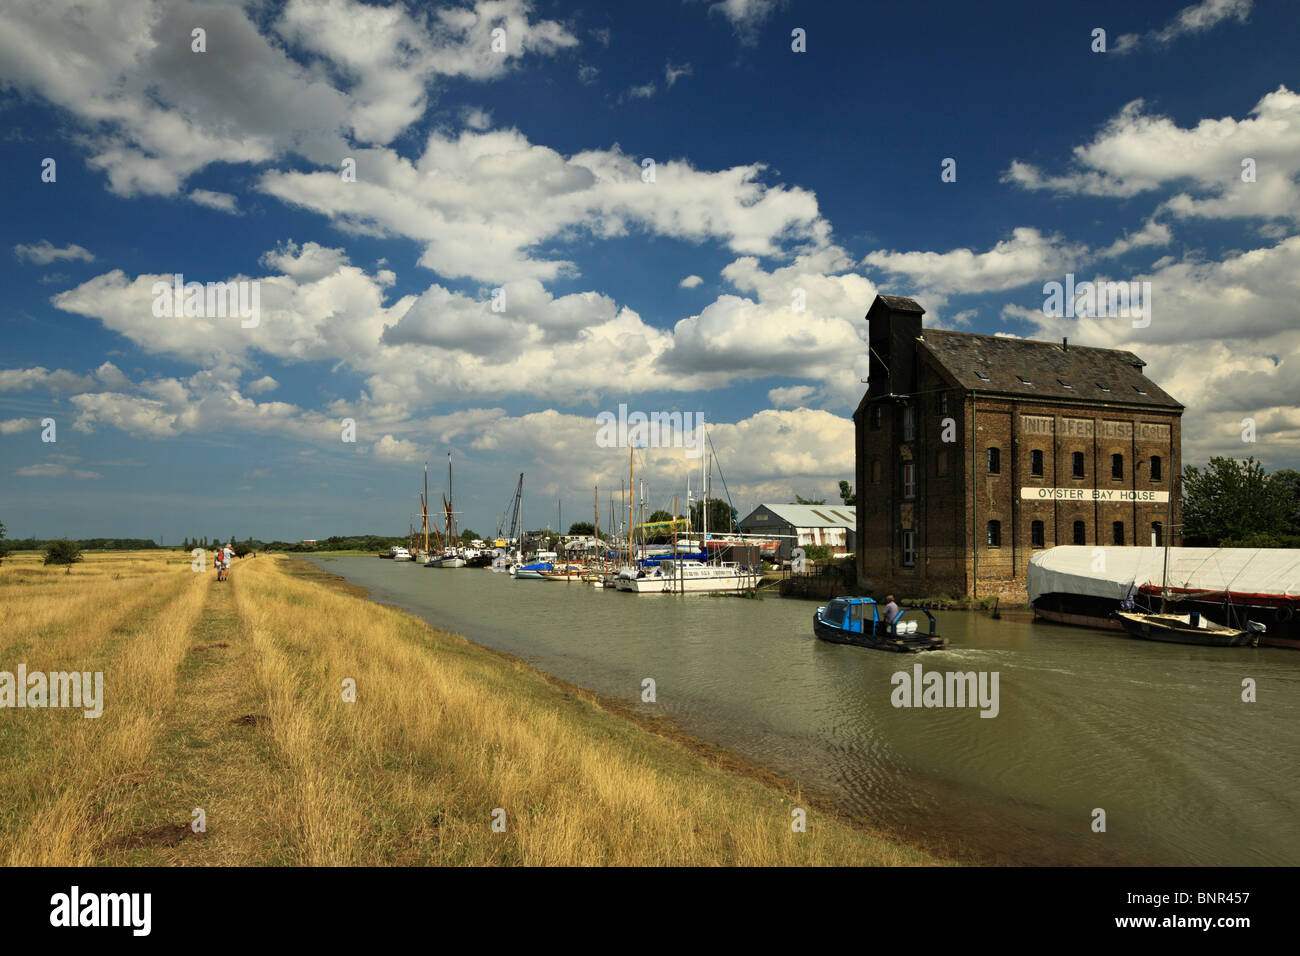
1236,504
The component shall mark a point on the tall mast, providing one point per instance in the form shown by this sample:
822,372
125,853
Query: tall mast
1168,533
424,508
631,497
451,499
704,506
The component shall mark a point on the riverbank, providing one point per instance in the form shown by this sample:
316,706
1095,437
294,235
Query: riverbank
231,698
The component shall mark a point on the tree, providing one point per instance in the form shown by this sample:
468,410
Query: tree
801,500
1231,500
659,515
1286,485
4,552
846,493
722,517
588,528
63,552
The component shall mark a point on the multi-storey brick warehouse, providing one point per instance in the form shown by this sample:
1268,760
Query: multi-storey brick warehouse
975,451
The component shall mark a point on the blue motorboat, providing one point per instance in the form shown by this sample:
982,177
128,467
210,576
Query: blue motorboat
533,572
861,622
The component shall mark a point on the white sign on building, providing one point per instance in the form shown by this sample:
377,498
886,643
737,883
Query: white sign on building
1091,494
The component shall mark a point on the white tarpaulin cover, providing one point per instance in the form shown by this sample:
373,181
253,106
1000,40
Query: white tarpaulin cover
1111,572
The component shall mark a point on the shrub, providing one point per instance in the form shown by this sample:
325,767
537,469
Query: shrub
63,552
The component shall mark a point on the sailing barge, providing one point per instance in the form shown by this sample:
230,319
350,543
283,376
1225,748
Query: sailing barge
1228,587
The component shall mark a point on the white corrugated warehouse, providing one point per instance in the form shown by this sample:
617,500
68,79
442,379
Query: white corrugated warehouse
834,526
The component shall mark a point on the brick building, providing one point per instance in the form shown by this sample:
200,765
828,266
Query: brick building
974,451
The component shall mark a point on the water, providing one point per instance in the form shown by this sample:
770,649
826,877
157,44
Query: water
1156,735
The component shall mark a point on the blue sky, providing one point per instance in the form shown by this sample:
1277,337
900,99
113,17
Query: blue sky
775,171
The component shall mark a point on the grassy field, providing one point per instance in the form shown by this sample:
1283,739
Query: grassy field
229,698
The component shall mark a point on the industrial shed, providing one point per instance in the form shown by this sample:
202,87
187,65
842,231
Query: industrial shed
834,526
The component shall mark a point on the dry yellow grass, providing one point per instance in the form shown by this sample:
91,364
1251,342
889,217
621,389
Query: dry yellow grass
443,735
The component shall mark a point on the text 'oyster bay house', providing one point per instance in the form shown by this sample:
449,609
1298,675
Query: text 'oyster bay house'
975,451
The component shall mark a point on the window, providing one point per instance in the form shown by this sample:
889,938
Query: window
1156,464
995,534
1076,464
1036,463
1036,533
875,418
875,471
1117,533
1139,389
1080,533
1103,387
981,376
995,461
909,479
943,404
1023,380
941,462
1117,466
909,549
1157,534
909,423
1065,384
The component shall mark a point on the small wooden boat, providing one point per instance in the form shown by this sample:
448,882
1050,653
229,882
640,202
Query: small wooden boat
1191,628
861,622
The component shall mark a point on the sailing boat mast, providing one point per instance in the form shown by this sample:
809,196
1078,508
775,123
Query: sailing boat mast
424,509
1168,533
704,506
631,498
451,503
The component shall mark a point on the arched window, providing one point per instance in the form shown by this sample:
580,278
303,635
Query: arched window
1080,533
995,461
995,534
1157,534
1117,466
1036,463
1076,464
1156,465
1117,533
1036,534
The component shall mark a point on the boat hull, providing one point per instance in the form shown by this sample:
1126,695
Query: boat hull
1151,628
912,644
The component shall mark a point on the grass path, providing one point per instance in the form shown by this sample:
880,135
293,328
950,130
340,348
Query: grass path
229,697
213,754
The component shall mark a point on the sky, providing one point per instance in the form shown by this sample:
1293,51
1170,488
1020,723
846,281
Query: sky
475,228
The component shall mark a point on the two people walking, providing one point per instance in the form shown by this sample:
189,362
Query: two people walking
222,561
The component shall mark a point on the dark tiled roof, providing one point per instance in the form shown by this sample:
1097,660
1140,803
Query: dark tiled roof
897,303
1044,369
